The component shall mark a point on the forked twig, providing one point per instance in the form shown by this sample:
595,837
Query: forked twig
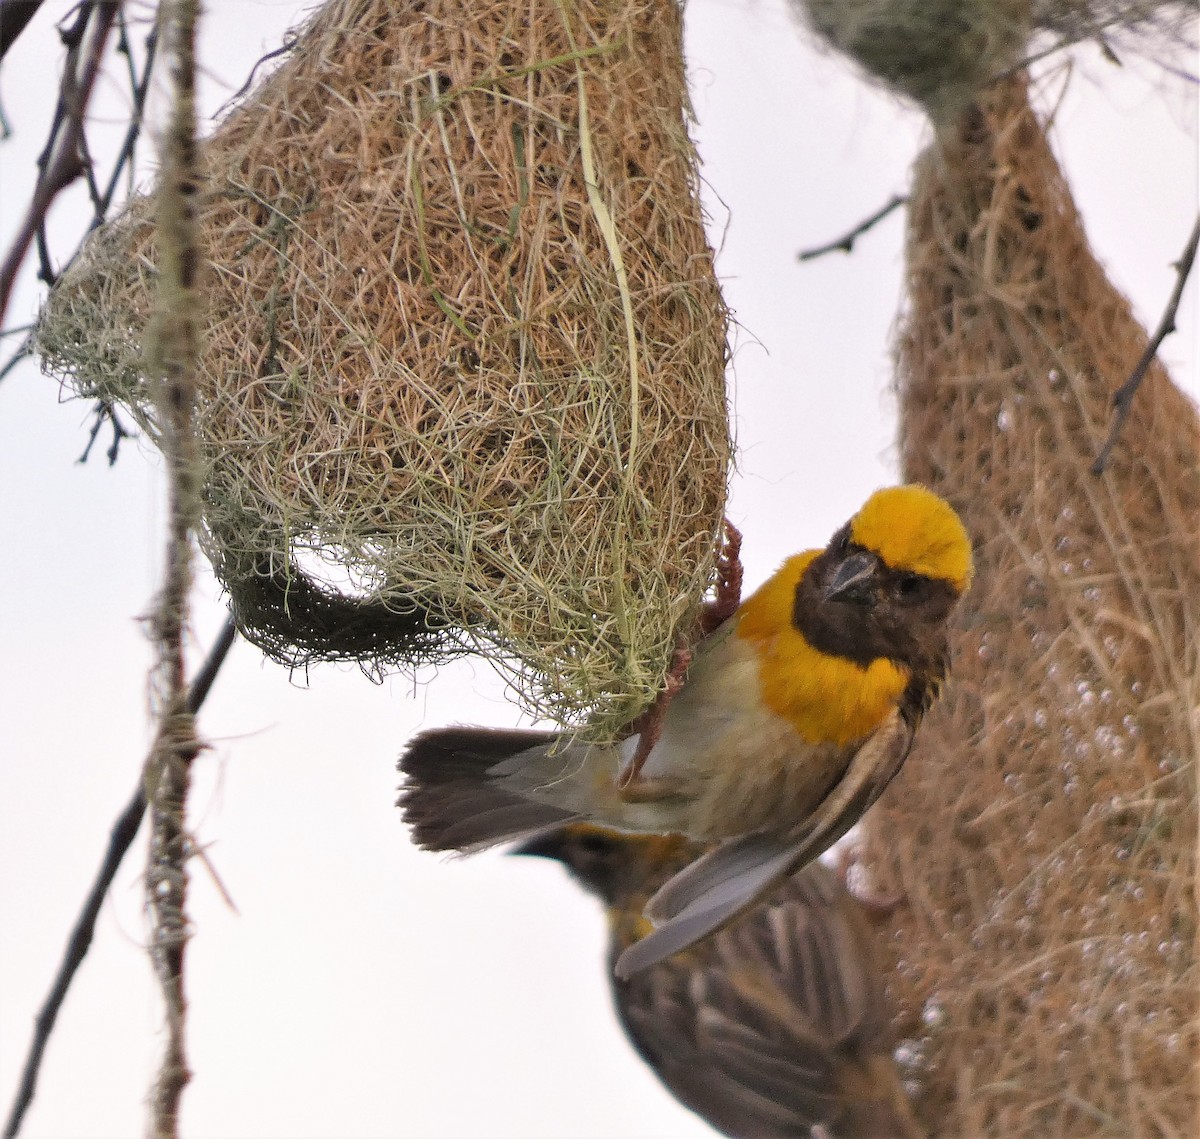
58,145
1123,397
105,411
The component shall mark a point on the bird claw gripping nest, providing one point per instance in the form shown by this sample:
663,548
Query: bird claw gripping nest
727,596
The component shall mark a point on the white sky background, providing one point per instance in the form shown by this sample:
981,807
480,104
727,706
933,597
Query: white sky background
363,988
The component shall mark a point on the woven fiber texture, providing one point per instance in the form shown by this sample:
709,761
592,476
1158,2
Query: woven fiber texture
464,383
940,53
1044,830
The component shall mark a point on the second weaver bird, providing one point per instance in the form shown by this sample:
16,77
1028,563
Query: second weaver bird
779,1025
794,716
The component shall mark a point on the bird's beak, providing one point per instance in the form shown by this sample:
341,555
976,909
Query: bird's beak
854,580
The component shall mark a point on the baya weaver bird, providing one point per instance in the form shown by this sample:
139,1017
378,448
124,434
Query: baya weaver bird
795,714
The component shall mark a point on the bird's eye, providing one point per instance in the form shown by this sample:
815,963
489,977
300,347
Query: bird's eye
908,586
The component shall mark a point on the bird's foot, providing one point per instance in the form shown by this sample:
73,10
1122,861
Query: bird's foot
648,726
728,592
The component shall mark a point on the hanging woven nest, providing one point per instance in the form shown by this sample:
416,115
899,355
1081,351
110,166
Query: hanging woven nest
1044,830
941,53
463,383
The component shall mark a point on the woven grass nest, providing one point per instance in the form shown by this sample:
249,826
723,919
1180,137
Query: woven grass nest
1044,829
940,53
463,384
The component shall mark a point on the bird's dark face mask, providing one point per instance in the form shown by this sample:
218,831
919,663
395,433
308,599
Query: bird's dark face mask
849,603
609,864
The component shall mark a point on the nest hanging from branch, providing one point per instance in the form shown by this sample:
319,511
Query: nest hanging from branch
1044,829
463,383
941,53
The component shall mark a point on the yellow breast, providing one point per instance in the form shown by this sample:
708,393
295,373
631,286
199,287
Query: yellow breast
827,699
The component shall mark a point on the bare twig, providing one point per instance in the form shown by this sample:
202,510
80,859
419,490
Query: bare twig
290,38
845,243
26,347
1123,397
62,162
14,16
106,412
123,832
174,348
140,86
101,199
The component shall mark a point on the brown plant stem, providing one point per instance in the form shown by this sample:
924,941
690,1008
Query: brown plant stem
174,350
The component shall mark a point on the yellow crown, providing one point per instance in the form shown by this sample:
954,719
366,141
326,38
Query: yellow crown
912,529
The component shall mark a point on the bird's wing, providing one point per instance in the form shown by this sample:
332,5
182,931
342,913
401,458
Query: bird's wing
813,941
714,889
751,1029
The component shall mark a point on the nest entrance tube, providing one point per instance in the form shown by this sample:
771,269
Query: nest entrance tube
1044,829
464,377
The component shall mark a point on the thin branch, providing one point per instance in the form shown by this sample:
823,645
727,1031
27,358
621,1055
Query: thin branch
174,347
20,354
203,681
121,837
1123,398
106,412
61,163
845,243
14,16
140,87
123,47
290,39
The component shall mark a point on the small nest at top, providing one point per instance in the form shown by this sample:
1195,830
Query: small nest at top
942,53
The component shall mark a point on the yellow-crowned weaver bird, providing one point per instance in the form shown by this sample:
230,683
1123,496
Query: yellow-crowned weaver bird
776,1025
794,716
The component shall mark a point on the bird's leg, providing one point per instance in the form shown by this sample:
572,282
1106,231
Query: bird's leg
877,907
647,727
728,595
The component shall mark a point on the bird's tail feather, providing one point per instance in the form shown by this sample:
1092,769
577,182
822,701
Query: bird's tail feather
452,803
